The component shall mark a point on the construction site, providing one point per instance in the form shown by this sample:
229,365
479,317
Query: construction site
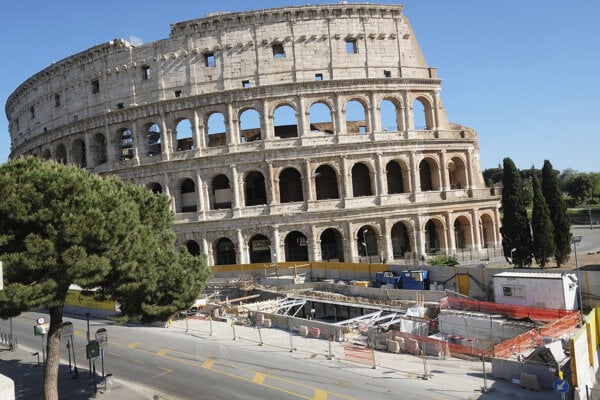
436,312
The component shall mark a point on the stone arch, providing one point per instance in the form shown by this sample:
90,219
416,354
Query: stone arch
457,173
422,114
462,232
285,121
356,117
290,186
183,135
221,192
332,245
296,247
46,154
216,130
259,249
154,187
224,252
193,248
320,117
361,180
434,236
60,154
153,139
367,244
392,115
125,146
486,231
249,125
395,174
400,240
188,198
326,183
254,189
99,149
428,175
78,156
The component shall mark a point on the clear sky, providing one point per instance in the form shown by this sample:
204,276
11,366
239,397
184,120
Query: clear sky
524,73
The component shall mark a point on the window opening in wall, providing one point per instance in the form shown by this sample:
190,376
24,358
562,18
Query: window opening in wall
246,84
45,129
32,112
355,117
278,50
56,100
209,60
362,129
95,86
145,72
120,106
285,122
318,77
178,93
184,135
17,123
387,74
513,291
351,46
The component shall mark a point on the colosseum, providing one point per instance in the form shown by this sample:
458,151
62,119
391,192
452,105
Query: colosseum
308,133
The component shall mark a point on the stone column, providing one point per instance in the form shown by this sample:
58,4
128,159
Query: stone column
241,253
198,132
339,115
419,238
276,250
200,193
381,177
450,239
354,256
89,157
314,245
346,189
302,118
266,125
445,174
232,128
166,138
414,173
235,187
271,190
470,168
436,112
388,250
139,145
308,187
374,114
475,233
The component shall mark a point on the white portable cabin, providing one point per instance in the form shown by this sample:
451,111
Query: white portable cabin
543,290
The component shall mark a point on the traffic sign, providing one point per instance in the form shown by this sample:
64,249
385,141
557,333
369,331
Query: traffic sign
92,349
102,337
67,329
560,386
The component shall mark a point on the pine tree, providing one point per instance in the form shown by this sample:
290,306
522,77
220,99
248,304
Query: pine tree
541,226
516,232
558,214
60,225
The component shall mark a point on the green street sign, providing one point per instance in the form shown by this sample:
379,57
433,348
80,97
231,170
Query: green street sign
92,349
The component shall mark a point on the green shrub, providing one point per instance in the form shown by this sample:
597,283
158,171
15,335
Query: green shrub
443,260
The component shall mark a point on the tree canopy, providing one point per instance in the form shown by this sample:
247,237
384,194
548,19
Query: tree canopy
60,226
558,214
541,226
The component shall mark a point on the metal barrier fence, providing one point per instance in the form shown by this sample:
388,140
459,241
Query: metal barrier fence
9,340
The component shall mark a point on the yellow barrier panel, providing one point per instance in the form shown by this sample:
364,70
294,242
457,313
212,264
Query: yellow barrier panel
78,299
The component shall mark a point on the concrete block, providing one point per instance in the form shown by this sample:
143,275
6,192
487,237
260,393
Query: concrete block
530,381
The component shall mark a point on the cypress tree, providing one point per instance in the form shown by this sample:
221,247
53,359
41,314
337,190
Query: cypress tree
558,214
541,226
516,233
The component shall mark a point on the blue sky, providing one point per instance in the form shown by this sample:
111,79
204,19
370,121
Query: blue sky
523,73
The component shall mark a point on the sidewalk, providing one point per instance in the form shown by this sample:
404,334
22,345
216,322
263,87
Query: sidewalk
23,368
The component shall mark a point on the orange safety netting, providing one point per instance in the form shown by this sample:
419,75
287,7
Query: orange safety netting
518,344
512,311
561,327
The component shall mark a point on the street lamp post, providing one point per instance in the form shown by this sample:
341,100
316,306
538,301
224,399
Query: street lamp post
511,255
575,240
364,232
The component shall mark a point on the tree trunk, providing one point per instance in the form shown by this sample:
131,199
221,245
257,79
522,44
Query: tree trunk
53,353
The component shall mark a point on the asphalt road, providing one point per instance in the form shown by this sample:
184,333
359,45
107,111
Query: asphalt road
175,364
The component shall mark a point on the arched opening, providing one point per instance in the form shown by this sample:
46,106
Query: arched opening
290,186
78,153
193,248
400,240
221,192
183,133
432,242
366,243
332,245
285,122
60,154
255,191
250,126
462,232
361,180
224,251
153,139
486,230
320,118
391,116
326,183
99,149
457,173
296,248
427,169
216,130
46,155
188,196
395,178
422,114
125,144
259,247
154,187
356,121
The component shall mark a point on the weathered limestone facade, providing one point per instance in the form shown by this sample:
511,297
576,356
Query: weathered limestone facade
285,134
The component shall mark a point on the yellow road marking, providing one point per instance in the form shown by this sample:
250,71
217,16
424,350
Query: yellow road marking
320,394
259,378
165,371
133,345
162,352
137,361
114,354
208,363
